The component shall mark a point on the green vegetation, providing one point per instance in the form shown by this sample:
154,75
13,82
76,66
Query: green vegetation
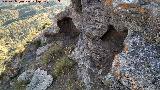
20,85
21,23
57,56
62,65
72,84
16,35
38,43
53,53
69,85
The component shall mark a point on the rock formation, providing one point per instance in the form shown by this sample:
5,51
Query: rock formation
116,47
125,34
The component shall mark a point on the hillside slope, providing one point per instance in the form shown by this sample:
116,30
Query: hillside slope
20,23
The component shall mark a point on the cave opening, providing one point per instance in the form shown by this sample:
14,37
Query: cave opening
112,43
67,27
114,39
68,31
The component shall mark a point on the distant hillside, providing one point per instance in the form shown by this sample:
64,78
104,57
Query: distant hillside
20,23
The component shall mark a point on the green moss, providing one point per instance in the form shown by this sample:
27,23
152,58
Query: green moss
37,43
73,84
57,57
20,85
69,85
62,66
1,76
53,53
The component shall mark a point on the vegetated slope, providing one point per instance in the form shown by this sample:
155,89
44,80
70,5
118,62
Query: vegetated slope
20,23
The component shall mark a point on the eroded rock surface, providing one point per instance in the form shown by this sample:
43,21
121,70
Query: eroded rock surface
118,32
40,80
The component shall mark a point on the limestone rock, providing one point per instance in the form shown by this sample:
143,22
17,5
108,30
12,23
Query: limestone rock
26,76
40,80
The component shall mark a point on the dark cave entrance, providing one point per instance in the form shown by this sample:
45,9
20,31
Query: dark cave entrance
67,27
112,42
68,31
114,38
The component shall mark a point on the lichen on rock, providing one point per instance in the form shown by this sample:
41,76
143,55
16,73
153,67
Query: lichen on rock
40,80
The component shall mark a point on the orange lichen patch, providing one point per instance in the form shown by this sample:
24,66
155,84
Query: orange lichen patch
142,10
132,81
126,76
123,6
126,48
117,63
108,2
117,66
133,84
127,5
132,6
117,74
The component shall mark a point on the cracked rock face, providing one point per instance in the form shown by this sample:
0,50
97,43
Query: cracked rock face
116,45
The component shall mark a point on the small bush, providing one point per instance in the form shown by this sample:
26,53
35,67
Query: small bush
53,53
62,66
73,84
56,56
37,43
20,85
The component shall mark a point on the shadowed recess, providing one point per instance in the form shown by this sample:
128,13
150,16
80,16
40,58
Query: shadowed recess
67,27
112,42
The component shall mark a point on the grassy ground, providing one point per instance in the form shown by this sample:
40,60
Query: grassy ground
20,23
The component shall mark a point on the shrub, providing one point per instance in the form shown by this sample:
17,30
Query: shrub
53,53
20,85
62,66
